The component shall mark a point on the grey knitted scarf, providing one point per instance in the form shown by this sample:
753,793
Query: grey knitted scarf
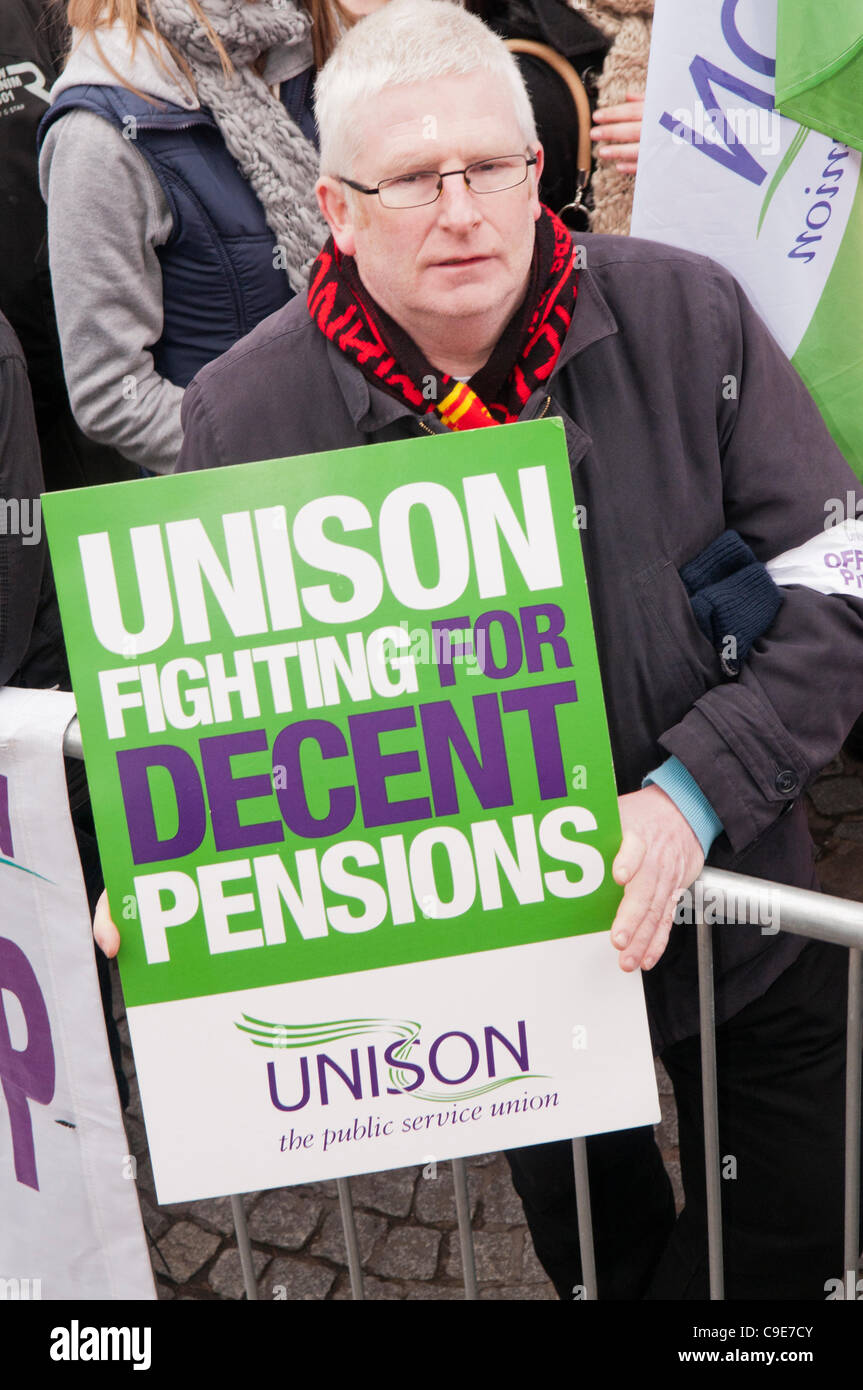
271,150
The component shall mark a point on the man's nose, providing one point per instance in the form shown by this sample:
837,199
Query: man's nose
458,204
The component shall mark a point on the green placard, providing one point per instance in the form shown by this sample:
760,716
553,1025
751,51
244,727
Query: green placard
340,711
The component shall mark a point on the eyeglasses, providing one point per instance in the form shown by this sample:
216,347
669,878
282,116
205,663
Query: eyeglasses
426,186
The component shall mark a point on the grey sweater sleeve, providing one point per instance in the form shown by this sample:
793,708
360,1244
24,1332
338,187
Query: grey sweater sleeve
107,215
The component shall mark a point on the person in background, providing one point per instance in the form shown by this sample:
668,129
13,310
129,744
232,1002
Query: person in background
607,43
178,162
620,106
32,40
557,26
32,650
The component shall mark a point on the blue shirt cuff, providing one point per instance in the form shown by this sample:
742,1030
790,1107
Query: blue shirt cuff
678,783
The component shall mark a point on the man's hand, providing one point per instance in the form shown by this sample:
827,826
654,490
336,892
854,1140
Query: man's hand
104,931
659,857
622,126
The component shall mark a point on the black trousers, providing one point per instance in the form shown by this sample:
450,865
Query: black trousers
91,868
781,1090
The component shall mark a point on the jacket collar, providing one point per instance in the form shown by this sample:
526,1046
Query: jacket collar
593,319
373,410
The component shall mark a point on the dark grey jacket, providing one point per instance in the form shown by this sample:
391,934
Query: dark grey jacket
683,418
31,639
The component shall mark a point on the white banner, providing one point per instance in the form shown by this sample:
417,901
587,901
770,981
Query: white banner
70,1226
488,1052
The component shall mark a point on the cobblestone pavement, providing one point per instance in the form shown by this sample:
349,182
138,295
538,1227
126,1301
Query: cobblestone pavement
406,1223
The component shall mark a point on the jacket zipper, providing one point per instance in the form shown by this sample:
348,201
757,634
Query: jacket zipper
147,123
184,125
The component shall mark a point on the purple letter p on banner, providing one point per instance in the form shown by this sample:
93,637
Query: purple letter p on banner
27,1075
5,824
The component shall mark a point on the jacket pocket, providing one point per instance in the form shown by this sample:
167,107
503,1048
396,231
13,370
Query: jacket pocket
687,659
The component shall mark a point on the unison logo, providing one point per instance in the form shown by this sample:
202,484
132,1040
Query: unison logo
451,1058
77,1343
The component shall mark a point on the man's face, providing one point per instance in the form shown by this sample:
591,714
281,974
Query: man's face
465,258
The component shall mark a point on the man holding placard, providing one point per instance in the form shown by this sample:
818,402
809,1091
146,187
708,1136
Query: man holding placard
448,299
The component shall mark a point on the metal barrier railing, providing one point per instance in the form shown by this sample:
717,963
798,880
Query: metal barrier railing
732,897
802,913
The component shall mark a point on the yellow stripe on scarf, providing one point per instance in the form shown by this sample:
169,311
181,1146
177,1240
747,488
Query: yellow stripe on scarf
461,401
451,400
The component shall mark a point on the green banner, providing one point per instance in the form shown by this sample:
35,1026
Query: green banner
340,711
819,66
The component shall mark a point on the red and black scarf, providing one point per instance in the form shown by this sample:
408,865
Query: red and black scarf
522,360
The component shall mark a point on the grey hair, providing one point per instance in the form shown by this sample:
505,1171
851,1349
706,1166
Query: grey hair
406,41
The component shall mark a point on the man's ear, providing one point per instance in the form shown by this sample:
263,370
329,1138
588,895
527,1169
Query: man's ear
334,203
537,173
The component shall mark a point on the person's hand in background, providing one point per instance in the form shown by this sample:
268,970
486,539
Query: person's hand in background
104,932
619,130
